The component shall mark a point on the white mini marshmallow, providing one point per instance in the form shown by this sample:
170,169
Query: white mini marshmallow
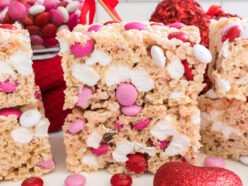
140,148
158,56
224,85
64,12
22,135
211,94
179,144
5,69
163,129
141,80
36,9
100,57
177,95
22,62
122,150
244,159
196,118
116,74
94,140
85,74
225,130
41,129
205,120
244,32
225,48
30,118
202,53
72,6
175,69
90,160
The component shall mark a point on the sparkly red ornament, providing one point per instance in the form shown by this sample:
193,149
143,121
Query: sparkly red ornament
136,163
34,181
121,180
184,174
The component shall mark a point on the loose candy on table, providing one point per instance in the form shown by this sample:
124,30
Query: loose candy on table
75,180
136,163
212,161
121,179
34,181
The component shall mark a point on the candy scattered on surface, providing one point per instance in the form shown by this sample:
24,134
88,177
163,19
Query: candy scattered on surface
8,87
126,94
7,112
76,126
75,180
121,179
103,149
212,161
132,110
34,181
81,51
176,173
135,25
136,163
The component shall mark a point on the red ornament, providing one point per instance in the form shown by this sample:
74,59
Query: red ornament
184,174
34,181
136,163
121,180
188,71
179,35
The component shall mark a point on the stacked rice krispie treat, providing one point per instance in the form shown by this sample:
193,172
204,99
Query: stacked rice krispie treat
224,107
133,89
24,149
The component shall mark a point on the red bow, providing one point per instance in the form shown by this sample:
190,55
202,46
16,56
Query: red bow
90,6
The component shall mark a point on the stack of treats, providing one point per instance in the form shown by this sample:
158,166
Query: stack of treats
24,149
133,88
224,108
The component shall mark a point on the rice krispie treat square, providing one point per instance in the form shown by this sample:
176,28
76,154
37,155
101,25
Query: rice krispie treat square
16,74
229,48
24,149
133,88
224,127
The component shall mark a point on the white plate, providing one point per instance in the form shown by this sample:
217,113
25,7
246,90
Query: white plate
102,178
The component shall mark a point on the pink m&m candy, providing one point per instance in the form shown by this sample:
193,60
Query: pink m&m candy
49,164
141,124
50,4
57,17
135,25
212,161
17,10
94,28
34,181
81,51
7,112
162,144
76,126
75,180
84,96
101,150
8,87
126,94
73,21
177,25
132,110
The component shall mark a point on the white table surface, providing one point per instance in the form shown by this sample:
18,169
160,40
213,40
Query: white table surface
102,178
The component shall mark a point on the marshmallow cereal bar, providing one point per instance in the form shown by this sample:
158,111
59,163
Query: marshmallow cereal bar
229,48
133,89
224,127
16,74
24,149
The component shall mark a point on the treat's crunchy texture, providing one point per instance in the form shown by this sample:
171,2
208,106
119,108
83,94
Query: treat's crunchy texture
16,73
24,150
133,88
224,127
229,48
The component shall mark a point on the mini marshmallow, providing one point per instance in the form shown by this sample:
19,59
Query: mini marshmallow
140,148
85,74
224,85
141,80
202,53
63,45
175,69
177,95
94,140
244,159
122,150
211,94
41,129
100,57
30,118
158,56
196,118
36,9
21,135
90,160
5,69
179,144
225,130
225,48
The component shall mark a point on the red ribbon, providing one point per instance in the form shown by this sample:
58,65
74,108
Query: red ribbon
89,6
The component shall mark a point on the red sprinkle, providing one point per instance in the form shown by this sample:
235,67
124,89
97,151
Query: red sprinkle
42,19
231,33
136,163
49,30
179,35
121,180
7,26
188,70
34,181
